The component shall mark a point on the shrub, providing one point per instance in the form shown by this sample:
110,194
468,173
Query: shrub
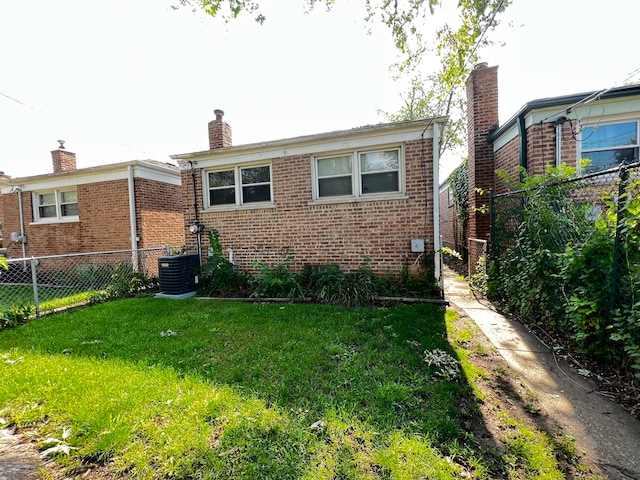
275,281
576,274
218,276
16,314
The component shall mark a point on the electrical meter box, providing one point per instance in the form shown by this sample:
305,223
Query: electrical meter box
417,245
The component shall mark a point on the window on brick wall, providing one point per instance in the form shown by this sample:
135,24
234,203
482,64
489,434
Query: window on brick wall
55,205
359,175
609,145
239,186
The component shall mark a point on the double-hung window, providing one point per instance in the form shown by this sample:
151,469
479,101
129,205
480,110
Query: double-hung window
239,186
359,175
56,205
609,145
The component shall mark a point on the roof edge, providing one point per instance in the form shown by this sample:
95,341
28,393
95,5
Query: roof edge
540,103
357,131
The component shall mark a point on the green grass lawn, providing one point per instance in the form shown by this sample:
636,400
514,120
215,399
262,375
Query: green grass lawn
158,388
50,298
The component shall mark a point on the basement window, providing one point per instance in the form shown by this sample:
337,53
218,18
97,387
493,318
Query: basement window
609,145
239,186
56,206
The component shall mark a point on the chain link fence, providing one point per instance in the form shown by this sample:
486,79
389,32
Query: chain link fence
48,283
567,210
477,262
567,249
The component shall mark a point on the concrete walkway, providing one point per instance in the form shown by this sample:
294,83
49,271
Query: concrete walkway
604,432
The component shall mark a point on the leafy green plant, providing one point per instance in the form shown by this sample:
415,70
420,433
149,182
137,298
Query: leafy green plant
124,283
574,266
17,313
275,281
218,276
479,279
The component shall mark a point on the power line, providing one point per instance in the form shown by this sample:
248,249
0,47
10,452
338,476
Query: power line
35,109
55,117
591,97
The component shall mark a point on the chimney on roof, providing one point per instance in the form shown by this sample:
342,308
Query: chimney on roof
482,117
219,132
63,161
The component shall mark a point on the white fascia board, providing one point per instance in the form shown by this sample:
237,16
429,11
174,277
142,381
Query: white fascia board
150,171
505,138
102,173
369,137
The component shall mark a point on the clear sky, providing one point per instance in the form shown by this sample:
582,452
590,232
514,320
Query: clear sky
133,79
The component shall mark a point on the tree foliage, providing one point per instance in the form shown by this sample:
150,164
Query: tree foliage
438,93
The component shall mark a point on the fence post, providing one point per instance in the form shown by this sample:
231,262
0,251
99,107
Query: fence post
620,214
34,281
492,225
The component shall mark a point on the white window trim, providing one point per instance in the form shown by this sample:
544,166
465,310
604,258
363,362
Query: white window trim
58,218
356,177
238,205
580,151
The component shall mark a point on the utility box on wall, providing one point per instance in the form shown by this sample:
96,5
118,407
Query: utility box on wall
177,274
417,245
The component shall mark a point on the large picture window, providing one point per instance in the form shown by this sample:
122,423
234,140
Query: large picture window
55,206
609,145
239,186
373,173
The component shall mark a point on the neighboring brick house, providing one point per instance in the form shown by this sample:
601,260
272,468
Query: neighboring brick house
602,126
451,227
89,210
332,198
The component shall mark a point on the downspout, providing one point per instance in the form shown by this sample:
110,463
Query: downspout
522,135
198,226
22,232
132,220
436,205
559,124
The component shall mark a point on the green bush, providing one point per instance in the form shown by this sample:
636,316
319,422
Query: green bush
15,314
562,270
125,283
218,276
275,281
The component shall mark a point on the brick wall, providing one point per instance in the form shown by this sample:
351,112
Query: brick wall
541,152
50,239
569,146
507,161
341,234
159,214
104,220
104,216
541,147
450,223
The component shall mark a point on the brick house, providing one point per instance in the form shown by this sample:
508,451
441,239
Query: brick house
451,228
120,206
602,126
331,198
